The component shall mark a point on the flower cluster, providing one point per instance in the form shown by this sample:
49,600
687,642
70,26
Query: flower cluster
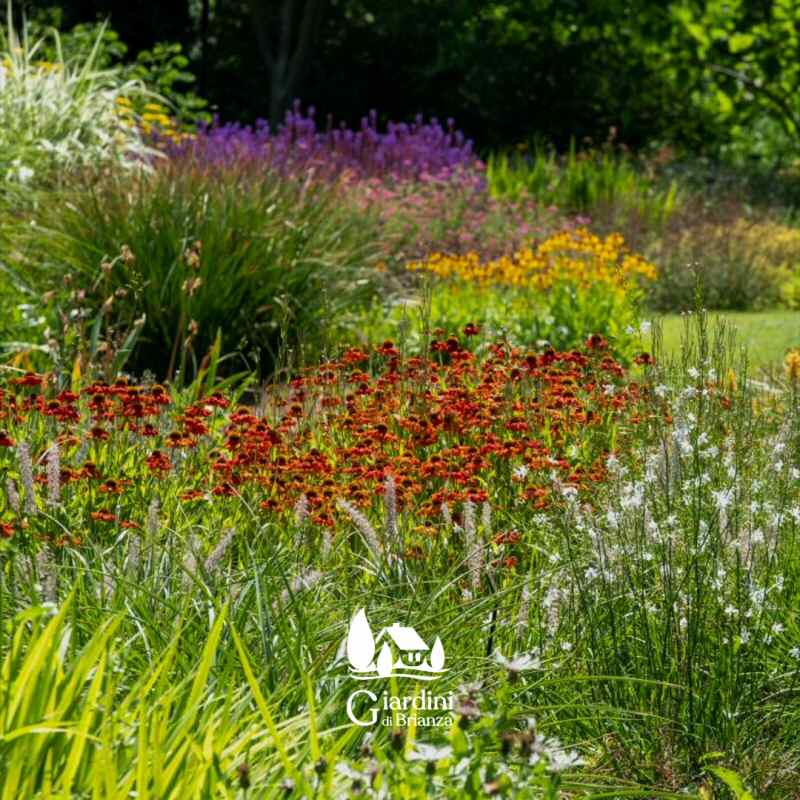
153,119
403,152
577,256
444,429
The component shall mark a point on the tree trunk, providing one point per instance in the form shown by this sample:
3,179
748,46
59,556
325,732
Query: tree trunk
285,32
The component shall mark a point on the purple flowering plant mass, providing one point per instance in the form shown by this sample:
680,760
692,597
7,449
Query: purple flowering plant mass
416,151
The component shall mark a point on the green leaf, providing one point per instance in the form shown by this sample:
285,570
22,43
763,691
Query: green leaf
733,782
740,41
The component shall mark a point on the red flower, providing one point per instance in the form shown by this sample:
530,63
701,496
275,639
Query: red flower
6,440
159,462
103,516
30,379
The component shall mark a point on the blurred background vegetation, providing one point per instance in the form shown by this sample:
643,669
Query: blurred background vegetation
717,77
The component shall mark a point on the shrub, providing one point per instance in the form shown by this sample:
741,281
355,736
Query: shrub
262,261
58,116
740,266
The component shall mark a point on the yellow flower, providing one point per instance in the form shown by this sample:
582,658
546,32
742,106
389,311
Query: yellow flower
578,257
792,365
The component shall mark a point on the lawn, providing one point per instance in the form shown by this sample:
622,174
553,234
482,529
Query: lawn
768,335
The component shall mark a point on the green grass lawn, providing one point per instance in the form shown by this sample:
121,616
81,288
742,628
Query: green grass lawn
767,334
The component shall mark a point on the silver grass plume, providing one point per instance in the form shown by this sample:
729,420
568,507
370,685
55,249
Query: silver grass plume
327,542
218,553
54,475
26,472
486,519
306,580
190,562
13,495
301,510
523,618
153,517
390,499
109,581
446,515
134,553
473,546
363,525
46,571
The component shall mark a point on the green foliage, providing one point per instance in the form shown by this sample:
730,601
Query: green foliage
742,63
608,185
189,255
738,265
564,317
165,70
61,115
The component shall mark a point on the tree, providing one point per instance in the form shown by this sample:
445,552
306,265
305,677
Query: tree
285,32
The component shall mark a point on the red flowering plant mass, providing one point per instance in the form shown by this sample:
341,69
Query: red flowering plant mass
507,427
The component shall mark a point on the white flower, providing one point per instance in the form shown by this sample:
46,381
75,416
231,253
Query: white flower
24,174
723,498
519,663
561,759
429,752
646,326
661,390
609,389
795,652
521,472
693,373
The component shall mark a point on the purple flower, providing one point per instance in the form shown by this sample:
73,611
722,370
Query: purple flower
419,151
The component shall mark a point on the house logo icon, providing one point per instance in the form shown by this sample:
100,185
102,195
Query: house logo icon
403,653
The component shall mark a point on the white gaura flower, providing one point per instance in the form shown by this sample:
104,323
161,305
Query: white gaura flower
723,498
524,662
429,753
521,472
